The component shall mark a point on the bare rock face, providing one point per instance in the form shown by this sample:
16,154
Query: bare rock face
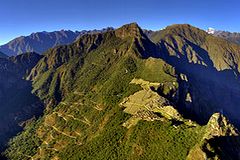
232,37
219,132
218,126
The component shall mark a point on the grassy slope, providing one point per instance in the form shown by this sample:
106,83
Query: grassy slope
197,46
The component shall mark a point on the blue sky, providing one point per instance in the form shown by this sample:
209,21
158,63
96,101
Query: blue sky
22,17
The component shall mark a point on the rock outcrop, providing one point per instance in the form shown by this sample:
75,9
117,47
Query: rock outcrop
218,132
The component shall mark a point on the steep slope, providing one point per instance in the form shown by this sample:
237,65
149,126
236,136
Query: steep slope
232,37
2,55
17,102
38,42
117,95
90,79
220,141
209,50
42,41
60,64
25,62
211,65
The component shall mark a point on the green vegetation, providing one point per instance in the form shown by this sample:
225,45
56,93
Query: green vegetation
84,83
147,140
18,104
28,145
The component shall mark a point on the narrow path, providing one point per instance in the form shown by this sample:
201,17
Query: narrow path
86,121
56,129
60,115
64,103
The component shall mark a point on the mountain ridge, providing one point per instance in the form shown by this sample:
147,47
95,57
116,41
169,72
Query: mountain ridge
42,41
118,94
230,36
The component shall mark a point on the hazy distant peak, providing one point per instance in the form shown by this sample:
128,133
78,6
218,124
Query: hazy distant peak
233,37
211,30
40,42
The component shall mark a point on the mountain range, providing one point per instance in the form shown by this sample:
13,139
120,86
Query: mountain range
40,42
230,36
124,93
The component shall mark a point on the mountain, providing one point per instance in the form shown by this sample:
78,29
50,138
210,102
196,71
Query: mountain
83,32
42,41
18,104
232,37
124,94
211,66
84,85
211,30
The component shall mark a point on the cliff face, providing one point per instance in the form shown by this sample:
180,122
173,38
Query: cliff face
232,37
220,140
218,126
211,65
18,104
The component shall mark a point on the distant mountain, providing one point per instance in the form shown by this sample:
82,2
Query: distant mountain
211,31
230,36
83,32
148,33
41,41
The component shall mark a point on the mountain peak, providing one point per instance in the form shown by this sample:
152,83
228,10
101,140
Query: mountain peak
182,30
129,30
40,42
211,30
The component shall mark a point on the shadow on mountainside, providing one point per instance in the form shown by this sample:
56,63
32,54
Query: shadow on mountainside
226,147
18,105
211,90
